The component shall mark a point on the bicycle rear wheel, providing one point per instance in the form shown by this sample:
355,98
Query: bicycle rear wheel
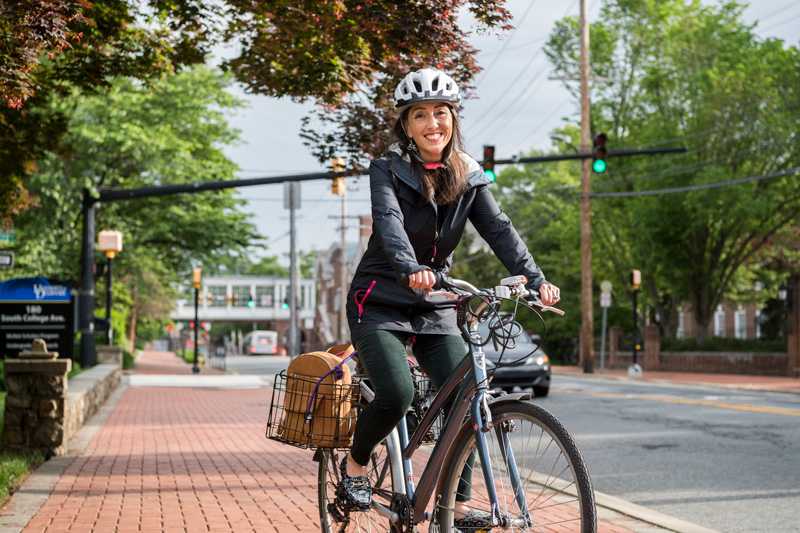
552,490
332,517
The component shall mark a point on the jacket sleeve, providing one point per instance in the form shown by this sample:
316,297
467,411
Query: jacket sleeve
496,229
387,218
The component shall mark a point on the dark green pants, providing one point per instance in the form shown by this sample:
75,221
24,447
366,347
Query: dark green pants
383,356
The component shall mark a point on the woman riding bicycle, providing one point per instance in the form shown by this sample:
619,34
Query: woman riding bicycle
423,191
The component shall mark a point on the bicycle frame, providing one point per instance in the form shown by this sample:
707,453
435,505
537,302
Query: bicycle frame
470,380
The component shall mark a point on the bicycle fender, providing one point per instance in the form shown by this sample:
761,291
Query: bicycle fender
513,397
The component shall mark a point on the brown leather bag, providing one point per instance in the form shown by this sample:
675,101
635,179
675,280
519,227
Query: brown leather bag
319,399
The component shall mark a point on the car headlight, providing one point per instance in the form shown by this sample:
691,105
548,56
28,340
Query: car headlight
540,360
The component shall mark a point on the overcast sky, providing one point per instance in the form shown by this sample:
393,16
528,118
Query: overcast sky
516,109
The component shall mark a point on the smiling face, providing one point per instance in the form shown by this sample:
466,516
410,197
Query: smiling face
430,125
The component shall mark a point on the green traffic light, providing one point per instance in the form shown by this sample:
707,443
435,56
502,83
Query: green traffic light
599,165
490,174
251,303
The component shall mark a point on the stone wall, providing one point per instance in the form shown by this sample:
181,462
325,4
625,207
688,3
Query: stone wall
43,410
87,392
652,358
35,405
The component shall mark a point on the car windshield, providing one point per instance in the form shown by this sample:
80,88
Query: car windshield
524,338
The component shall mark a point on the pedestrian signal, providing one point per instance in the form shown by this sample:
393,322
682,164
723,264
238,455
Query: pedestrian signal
488,162
599,153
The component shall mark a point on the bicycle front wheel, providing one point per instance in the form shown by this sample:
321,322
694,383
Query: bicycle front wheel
332,517
540,477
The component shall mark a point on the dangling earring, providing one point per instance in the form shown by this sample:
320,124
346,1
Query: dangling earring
411,146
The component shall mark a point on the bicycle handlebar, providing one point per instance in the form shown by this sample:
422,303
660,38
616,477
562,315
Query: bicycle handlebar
445,285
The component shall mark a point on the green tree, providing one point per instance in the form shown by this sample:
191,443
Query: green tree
135,136
346,56
696,75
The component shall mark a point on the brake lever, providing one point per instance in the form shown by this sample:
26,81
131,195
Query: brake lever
446,294
538,303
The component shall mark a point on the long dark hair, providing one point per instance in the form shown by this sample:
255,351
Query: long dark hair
447,183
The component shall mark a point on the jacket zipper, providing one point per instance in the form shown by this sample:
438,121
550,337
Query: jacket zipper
360,304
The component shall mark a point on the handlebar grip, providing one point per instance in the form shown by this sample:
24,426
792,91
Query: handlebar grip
442,281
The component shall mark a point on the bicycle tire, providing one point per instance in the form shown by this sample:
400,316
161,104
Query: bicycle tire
558,489
332,517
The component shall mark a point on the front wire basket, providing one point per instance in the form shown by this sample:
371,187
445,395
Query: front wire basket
308,413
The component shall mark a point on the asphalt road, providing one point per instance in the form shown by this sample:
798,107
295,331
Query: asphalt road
720,458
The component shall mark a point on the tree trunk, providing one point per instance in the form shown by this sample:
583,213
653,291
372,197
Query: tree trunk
702,331
132,328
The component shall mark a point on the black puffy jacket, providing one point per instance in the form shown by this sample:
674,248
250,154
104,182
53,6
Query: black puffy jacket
409,236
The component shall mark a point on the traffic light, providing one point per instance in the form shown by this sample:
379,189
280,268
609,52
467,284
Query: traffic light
209,299
337,184
285,303
488,162
636,279
251,302
235,299
599,153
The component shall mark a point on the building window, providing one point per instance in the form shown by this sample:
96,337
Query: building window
758,323
740,323
240,295
216,296
719,322
681,333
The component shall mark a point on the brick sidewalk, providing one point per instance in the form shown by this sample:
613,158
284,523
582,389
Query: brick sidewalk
187,460
169,364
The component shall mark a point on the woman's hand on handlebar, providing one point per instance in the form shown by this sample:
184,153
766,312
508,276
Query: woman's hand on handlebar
424,280
549,294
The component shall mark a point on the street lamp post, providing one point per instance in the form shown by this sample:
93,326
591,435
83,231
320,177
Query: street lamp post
196,277
109,242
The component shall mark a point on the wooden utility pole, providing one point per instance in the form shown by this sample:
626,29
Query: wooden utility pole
343,272
586,346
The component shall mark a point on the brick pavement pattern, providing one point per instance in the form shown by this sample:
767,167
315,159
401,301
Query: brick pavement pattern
188,460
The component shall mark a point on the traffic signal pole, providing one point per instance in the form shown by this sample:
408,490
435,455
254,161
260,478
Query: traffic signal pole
586,339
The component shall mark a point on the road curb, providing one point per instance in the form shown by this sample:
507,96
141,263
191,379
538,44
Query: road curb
644,514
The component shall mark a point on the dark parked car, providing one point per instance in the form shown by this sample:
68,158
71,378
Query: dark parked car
528,371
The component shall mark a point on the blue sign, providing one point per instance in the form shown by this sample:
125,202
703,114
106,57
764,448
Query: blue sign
37,289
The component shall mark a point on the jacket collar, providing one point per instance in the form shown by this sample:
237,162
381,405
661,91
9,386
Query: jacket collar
400,165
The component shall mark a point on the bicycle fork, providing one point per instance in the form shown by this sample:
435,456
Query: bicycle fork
482,424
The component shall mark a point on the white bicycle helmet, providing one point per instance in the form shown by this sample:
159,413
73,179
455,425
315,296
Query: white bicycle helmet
426,85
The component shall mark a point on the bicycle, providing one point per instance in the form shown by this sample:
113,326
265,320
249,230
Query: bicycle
528,472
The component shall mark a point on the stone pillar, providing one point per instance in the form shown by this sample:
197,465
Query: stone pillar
36,401
652,347
614,338
109,355
793,326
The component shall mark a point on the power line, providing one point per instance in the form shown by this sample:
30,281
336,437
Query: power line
505,43
781,23
781,10
714,185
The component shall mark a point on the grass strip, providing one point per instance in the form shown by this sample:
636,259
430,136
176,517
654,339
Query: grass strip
13,469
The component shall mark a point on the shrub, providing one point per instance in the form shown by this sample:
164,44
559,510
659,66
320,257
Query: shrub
127,360
720,344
